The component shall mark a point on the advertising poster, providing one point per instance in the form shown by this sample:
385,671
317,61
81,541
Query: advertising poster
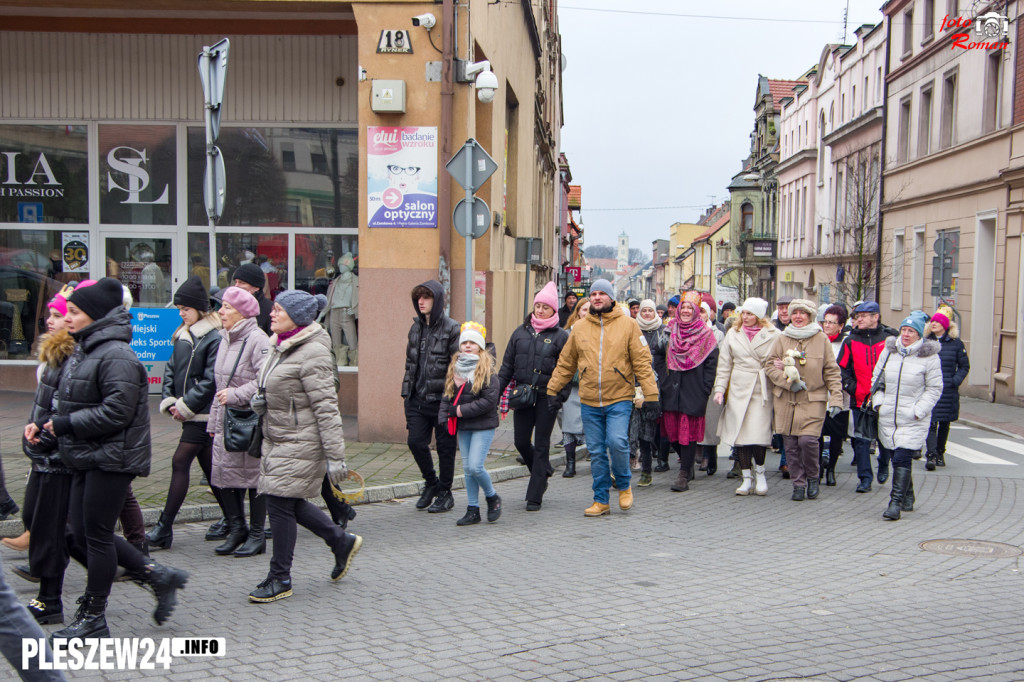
480,296
152,329
401,166
75,251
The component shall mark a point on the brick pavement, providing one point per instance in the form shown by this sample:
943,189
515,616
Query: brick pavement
701,585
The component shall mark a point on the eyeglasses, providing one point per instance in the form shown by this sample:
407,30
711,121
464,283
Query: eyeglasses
829,322
408,170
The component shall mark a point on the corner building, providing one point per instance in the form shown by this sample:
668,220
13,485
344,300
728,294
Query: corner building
102,157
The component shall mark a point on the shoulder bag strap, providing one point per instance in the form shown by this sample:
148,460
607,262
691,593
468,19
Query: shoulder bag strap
239,357
543,354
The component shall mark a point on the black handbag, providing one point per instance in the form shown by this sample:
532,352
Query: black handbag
866,425
525,395
243,428
46,446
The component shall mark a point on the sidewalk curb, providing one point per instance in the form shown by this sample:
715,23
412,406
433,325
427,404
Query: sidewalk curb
988,427
380,493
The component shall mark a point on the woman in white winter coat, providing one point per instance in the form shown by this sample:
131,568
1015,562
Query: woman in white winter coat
906,384
242,352
746,423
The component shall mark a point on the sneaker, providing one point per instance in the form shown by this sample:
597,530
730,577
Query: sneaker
343,559
472,516
493,508
645,480
598,509
798,493
271,590
430,491
930,463
626,499
442,503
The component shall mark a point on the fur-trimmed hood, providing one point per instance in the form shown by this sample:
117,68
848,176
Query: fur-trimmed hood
55,348
927,348
204,326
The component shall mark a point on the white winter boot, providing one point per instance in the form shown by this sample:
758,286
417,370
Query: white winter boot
747,482
760,482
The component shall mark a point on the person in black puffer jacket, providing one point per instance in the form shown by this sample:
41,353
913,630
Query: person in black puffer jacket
530,357
188,389
469,411
645,427
102,429
433,339
955,366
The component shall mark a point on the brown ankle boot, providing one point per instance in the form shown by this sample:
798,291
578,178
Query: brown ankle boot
682,483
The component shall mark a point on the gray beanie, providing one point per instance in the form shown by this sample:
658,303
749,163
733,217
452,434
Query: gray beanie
301,306
604,286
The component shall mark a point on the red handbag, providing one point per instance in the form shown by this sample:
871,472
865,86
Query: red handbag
452,421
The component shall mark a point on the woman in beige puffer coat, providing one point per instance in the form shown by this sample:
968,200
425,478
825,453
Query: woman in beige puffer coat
302,438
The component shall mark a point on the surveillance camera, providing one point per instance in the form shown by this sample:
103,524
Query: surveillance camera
486,86
427,20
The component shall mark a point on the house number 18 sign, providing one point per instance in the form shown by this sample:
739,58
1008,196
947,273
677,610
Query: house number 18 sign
394,41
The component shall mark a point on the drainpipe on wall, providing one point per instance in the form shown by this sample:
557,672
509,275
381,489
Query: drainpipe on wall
444,187
881,161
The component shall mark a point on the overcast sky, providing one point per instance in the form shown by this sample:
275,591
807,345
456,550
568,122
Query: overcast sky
659,102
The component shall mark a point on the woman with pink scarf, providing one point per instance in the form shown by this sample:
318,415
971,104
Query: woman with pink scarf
530,358
692,361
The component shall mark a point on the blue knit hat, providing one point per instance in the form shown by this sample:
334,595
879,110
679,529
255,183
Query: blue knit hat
916,321
301,306
674,300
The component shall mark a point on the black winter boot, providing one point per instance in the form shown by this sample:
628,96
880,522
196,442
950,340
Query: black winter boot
218,530
162,534
238,530
711,452
812,488
46,612
908,498
255,544
164,581
493,508
90,620
570,461
900,486
430,491
472,516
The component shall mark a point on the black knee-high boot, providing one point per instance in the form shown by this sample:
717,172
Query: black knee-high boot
256,542
238,531
570,461
711,454
900,487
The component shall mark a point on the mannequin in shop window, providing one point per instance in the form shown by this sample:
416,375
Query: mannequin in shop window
154,289
342,311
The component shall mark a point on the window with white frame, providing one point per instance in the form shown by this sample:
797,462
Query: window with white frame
924,122
947,121
896,297
917,270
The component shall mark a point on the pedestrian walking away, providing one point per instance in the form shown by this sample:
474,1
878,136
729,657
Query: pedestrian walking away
836,428
857,359
433,340
530,358
303,438
241,354
807,384
955,367
102,426
571,419
469,411
906,385
610,353
746,423
188,388
644,424
253,280
692,360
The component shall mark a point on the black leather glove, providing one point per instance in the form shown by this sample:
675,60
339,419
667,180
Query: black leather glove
452,411
653,409
554,404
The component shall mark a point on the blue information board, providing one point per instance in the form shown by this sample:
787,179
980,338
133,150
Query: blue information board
152,329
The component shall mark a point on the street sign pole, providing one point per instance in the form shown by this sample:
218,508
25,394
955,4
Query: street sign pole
213,64
471,166
469,240
526,286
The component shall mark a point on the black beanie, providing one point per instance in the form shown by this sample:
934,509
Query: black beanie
250,273
99,299
192,293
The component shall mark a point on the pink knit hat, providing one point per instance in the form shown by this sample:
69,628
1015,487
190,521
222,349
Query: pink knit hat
941,319
59,303
548,296
242,301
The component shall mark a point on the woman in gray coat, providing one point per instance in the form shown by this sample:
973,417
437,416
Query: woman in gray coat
242,352
302,438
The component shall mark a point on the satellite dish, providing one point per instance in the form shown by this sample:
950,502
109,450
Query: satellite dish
565,62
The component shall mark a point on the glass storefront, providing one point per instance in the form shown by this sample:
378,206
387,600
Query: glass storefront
44,174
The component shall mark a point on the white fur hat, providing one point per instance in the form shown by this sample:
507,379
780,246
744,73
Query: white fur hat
756,306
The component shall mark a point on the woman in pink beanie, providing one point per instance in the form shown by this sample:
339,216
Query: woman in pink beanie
530,358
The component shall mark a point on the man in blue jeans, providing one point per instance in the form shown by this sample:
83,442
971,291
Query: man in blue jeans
611,355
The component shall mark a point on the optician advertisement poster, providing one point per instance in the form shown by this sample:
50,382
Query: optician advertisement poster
401,166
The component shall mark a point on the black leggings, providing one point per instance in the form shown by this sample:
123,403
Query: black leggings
285,514
746,453
97,498
180,467
647,450
48,549
535,423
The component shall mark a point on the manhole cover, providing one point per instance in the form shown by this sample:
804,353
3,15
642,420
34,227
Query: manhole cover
977,548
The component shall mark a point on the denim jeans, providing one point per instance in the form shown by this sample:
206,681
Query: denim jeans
861,451
902,458
17,623
607,432
474,446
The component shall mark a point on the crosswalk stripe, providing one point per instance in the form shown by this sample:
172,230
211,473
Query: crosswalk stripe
973,456
959,428
1002,443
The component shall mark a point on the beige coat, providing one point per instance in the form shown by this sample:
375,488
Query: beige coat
302,426
747,419
803,413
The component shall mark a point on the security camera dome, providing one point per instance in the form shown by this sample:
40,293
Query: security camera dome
486,85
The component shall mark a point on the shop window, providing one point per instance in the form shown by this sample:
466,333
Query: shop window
34,266
138,174
143,264
329,264
268,251
44,174
268,184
